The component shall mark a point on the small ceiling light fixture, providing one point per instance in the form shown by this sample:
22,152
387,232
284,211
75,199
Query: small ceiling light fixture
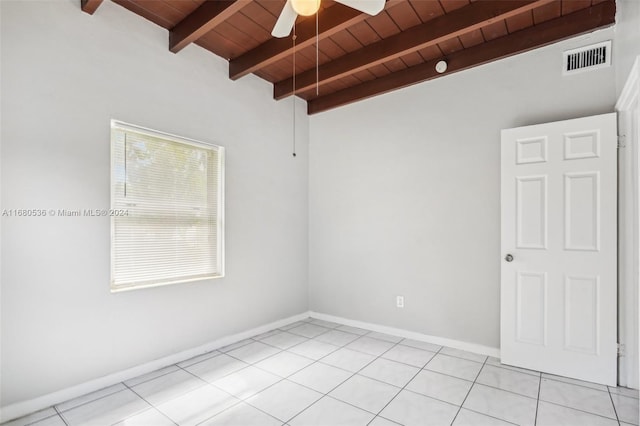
441,66
305,7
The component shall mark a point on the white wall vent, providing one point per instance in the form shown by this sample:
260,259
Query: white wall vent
587,58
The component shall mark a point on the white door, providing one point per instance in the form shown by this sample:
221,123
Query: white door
558,288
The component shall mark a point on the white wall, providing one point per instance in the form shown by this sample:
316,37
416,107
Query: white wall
65,74
404,191
627,39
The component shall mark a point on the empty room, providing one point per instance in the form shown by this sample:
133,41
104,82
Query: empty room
319,212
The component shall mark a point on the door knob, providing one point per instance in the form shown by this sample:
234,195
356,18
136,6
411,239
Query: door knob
508,258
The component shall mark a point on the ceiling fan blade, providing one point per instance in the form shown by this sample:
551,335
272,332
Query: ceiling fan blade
371,7
285,21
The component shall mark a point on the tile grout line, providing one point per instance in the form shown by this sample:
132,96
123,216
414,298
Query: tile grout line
490,416
254,364
286,378
248,341
239,400
535,419
339,384
405,385
253,339
542,377
469,391
577,409
615,410
59,415
217,352
234,406
150,404
622,394
370,378
353,374
60,412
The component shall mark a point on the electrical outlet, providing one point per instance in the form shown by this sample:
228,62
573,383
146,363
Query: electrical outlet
400,301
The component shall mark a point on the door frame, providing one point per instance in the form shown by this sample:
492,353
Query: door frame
628,109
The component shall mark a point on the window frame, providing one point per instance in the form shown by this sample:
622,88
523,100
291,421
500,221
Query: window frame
220,204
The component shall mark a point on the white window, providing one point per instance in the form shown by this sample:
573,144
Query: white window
167,205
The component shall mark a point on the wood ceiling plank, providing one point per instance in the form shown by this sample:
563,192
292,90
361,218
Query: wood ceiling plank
583,21
350,80
547,12
379,70
443,30
471,39
184,6
363,32
383,25
427,10
228,31
162,9
258,14
331,21
306,58
338,84
214,42
346,40
412,59
519,22
451,5
90,6
330,48
139,10
205,18
364,75
404,16
248,26
273,6
496,30
450,46
570,6
393,65
283,68
431,52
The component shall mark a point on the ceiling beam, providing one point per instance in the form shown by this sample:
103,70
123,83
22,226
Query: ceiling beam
583,21
202,20
451,25
90,6
330,21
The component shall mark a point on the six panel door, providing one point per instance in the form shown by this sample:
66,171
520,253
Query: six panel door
558,275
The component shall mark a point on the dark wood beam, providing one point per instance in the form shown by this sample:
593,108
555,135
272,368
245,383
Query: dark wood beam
90,6
583,21
202,20
451,25
333,19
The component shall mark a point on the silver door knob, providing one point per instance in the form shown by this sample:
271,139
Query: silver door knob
508,258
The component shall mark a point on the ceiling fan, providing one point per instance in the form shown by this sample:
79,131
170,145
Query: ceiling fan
293,8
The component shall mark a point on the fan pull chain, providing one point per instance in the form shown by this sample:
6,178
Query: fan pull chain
294,89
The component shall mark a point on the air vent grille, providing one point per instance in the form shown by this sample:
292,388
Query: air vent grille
587,58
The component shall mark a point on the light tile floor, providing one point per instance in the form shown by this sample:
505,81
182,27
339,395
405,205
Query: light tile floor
314,372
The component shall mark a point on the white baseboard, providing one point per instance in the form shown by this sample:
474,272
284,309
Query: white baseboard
457,344
23,408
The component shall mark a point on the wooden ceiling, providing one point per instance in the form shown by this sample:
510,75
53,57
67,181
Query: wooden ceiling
357,55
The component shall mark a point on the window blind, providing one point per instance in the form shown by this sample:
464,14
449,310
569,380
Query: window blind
167,204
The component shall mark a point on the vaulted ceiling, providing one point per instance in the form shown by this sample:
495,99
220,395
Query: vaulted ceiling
346,56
